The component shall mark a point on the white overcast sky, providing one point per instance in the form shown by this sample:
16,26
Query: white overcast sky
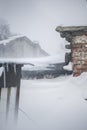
38,19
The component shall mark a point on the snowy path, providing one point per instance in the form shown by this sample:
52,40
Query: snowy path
50,104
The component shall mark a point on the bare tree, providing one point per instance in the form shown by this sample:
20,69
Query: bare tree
4,29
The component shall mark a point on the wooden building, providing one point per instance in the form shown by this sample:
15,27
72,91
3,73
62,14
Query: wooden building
77,37
14,53
20,47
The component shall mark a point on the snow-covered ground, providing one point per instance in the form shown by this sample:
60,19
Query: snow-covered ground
47,104
68,67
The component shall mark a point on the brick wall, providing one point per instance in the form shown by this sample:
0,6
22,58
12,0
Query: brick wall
79,54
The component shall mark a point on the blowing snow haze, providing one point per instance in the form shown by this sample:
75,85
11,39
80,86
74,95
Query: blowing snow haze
38,19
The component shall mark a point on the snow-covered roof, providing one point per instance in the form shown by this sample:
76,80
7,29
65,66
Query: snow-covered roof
11,39
36,61
15,61
19,37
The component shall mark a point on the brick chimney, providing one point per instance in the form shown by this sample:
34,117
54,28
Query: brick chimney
77,36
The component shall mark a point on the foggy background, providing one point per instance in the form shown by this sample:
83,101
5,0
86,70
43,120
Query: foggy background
44,104
38,19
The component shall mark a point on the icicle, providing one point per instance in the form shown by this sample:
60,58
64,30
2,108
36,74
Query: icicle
7,67
4,77
15,68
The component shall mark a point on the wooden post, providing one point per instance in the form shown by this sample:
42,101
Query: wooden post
17,102
0,92
8,101
4,76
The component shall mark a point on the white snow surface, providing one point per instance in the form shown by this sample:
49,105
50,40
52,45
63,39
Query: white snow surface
36,67
68,67
10,39
36,61
48,104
